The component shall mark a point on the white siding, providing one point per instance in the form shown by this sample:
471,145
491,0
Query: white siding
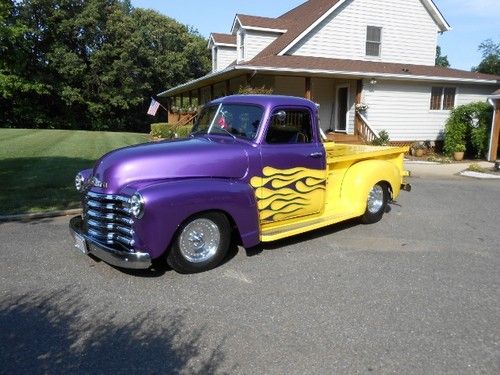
468,94
225,56
403,108
256,41
409,34
323,94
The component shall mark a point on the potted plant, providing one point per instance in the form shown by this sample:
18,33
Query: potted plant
418,149
458,153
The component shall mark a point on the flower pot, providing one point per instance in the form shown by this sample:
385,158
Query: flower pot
419,152
458,155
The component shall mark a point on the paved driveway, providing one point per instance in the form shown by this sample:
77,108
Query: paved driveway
418,292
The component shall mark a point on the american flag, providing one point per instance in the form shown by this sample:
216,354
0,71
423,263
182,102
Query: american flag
153,107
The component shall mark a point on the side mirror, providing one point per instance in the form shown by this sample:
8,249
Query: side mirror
280,115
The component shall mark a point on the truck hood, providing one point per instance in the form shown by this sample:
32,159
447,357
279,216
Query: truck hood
193,157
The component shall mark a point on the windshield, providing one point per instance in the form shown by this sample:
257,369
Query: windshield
235,120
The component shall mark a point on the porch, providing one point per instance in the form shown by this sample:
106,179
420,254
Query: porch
337,97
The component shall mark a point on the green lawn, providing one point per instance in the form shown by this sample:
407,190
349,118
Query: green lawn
37,167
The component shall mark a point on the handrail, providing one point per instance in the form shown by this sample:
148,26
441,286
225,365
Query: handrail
187,120
365,130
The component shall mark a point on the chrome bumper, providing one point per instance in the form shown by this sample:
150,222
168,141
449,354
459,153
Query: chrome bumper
112,256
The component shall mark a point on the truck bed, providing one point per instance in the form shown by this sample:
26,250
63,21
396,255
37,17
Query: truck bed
339,152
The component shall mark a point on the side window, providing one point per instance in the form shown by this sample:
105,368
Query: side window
289,126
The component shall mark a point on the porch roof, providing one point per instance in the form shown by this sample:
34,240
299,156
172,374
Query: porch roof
326,67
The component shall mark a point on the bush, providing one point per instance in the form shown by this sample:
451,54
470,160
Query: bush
162,130
169,131
382,140
468,125
183,131
249,90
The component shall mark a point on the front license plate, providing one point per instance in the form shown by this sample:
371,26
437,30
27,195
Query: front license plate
81,244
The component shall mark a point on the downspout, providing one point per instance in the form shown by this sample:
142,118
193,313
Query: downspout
493,103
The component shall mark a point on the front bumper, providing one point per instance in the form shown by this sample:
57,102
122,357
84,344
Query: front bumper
112,256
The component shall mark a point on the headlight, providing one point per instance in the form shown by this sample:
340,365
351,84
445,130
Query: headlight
137,205
79,183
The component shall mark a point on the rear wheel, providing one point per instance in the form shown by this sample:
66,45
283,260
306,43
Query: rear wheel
376,203
201,243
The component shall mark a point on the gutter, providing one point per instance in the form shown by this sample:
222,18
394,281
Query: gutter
326,73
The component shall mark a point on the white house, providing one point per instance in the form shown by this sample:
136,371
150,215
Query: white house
344,54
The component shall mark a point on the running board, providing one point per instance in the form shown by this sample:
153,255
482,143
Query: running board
278,232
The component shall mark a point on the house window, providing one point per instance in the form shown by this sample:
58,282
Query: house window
214,59
241,45
373,40
443,98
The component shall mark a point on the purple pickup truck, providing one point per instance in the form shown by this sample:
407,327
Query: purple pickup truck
255,168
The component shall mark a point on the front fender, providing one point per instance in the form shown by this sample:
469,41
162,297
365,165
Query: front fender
362,176
169,203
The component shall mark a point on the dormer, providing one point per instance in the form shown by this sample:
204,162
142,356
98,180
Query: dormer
253,34
223,47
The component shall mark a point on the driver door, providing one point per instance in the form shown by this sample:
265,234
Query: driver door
293,179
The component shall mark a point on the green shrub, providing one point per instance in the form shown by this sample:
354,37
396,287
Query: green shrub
468,125
183,131
162,130
249,90
382,140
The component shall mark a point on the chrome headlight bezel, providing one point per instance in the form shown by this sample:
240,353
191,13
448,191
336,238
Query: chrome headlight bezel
79,183
137,205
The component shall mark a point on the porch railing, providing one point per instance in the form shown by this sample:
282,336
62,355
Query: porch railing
364,130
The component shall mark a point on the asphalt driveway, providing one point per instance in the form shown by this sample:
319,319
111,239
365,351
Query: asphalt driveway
417,293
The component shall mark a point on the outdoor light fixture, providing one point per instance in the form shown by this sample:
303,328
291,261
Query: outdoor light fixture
373,81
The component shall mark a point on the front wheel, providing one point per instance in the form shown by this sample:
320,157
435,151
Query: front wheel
201,243
376,204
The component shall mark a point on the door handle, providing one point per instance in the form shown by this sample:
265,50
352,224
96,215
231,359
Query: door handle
316,155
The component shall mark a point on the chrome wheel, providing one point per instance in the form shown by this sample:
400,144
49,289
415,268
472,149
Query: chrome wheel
199,240
375,199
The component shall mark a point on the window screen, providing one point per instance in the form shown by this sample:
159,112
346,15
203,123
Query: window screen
443,98
373,40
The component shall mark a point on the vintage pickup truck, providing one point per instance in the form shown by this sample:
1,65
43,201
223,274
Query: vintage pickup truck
254,169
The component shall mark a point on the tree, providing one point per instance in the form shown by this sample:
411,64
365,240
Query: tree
440,59
491,58
90,64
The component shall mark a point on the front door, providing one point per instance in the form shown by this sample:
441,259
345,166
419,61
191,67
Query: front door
342,108
293,171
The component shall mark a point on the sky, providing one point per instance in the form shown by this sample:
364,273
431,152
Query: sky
472,21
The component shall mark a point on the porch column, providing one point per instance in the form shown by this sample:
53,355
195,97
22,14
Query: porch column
307,93
182,101
198,95
212,92
190,98
495,132
228,87
357,100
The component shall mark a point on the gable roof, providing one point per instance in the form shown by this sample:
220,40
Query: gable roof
301,20
258,23
222,39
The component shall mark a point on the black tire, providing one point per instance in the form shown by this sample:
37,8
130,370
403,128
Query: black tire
374,212
191,252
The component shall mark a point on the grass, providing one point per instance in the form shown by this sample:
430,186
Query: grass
37,167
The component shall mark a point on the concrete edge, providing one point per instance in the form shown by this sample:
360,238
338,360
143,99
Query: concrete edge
39,215
480,175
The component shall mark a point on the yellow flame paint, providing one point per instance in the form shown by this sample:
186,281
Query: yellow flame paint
286,193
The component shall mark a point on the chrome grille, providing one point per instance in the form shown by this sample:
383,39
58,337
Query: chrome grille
107,219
